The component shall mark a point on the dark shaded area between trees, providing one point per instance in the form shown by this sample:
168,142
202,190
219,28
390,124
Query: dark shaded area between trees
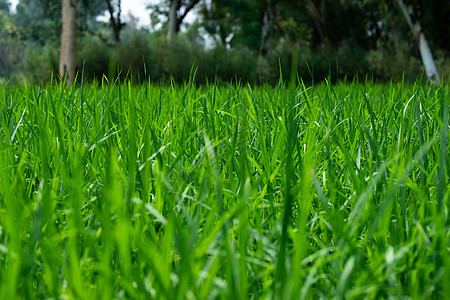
249,40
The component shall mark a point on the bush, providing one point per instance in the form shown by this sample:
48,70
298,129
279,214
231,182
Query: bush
132,57
226,64
176,58
94,57
11,50
142,56
387,63
40,64
172,58
443,64
351,61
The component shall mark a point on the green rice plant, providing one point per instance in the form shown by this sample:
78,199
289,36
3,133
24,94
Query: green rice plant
116,190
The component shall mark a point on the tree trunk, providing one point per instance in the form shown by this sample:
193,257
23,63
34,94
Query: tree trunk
425,52
172,30
176,17
319,23
266,29
68,56
116,23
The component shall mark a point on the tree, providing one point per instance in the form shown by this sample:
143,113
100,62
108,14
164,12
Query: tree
4,20
4,6
319,23
115,12
176,12
239,23
67,62
425,52
219,21
39,20
260,25
434,20
4,13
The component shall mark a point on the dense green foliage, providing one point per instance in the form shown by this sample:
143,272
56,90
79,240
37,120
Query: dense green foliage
228,39
224,191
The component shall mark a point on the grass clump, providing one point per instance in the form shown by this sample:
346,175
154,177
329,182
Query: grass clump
117,191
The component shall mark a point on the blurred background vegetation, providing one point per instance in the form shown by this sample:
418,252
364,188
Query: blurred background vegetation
251,40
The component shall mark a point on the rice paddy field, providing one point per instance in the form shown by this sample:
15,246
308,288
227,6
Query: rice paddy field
117,190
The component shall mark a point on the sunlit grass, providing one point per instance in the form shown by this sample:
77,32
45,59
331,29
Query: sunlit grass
174,192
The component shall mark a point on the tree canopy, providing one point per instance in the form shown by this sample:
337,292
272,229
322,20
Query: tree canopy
356,34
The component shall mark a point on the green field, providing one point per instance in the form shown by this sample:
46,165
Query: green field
180,192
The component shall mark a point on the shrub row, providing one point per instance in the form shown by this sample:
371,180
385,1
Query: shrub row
144,56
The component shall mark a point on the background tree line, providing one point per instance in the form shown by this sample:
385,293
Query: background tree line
246,39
